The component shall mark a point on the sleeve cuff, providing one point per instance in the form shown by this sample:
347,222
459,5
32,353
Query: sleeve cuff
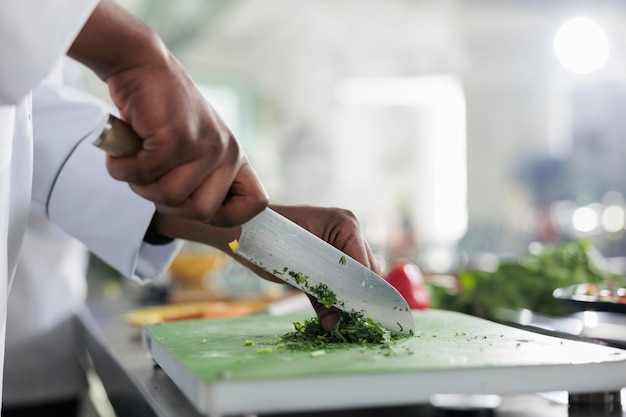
107,216
155,238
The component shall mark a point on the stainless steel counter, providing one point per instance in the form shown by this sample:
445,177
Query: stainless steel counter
136,387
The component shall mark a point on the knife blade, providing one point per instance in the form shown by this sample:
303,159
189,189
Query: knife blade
296,256
303,260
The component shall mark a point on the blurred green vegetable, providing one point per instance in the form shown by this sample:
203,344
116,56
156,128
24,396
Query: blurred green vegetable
526,282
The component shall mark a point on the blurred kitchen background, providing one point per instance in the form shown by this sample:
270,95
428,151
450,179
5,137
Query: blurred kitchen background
452,128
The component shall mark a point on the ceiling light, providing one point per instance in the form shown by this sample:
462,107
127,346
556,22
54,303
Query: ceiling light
581,46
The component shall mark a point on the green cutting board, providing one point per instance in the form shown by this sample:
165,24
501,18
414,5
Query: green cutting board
450,353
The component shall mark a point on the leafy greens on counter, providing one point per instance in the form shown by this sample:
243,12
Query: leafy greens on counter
527,281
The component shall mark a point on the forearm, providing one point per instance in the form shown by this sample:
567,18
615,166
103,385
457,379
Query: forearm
190,165
112,40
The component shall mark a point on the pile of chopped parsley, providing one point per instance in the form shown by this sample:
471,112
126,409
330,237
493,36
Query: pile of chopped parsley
352,328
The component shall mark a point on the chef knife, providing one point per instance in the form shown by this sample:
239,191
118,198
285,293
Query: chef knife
296,256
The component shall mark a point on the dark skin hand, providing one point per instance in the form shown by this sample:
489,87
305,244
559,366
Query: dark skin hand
190,164
338,227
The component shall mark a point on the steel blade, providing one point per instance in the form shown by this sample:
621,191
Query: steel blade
305,261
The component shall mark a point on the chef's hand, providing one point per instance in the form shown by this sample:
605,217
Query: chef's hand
336,226
190,164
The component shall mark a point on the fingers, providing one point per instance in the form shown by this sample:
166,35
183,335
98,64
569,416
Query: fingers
175,187
190,165
175,161
156,158
371,259
245,199
339,227
217,186
199,140
327,317
350,239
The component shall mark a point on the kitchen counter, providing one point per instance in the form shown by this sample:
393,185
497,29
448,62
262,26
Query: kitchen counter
137,387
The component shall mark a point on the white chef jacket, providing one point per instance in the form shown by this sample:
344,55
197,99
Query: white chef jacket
34,34
43,340
49,285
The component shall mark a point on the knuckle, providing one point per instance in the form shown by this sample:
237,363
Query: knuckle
345,227
165,196
141,178
229,147
132,174
345,217
260,202
203,211
221,219
172,200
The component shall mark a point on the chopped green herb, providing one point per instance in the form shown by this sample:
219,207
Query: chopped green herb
352,328
342,260
324,295
299,277
264,350
249,343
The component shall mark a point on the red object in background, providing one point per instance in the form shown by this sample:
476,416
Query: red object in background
409,281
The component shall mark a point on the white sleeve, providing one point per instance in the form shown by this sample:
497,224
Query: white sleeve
34,34
72,186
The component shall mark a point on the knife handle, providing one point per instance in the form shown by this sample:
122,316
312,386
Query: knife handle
118,139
